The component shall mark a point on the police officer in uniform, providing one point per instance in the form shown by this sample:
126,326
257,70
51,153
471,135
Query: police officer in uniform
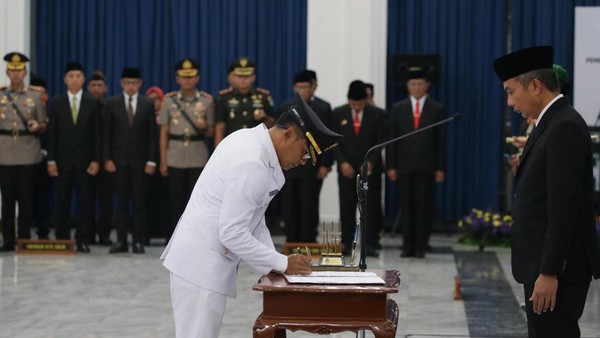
243,106
186,118
22,118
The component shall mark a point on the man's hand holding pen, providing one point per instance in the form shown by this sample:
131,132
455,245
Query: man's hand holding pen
299,264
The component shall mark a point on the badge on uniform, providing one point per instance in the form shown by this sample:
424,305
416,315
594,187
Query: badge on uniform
344,122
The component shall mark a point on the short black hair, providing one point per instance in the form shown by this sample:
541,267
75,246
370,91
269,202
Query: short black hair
547,76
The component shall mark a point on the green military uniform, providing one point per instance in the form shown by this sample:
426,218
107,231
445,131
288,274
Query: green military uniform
186,149
20,153
238,110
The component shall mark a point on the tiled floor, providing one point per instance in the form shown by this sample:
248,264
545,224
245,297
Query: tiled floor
101,295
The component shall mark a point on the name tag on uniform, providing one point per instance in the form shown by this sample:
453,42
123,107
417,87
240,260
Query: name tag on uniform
273,193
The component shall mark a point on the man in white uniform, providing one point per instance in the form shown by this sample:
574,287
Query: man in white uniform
224,221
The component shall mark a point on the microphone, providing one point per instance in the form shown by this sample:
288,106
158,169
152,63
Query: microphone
362,184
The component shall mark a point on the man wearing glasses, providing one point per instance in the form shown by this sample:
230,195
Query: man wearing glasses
224,220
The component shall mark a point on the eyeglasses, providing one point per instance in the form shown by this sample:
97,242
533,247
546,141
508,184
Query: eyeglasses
306,156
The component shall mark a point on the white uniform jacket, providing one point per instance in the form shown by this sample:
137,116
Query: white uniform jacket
224,221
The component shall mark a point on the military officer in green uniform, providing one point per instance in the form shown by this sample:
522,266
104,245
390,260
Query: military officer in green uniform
22,118
242,106
185,119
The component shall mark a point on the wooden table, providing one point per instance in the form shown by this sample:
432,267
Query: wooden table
326,309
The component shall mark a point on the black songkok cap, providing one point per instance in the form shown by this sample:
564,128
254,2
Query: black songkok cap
523,61
97,76
320,138
303,76
36,81
73,65
187,68
131,73
357,90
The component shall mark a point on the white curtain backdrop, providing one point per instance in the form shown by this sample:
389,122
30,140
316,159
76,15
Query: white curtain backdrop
347,40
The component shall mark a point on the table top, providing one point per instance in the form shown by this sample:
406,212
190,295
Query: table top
274,282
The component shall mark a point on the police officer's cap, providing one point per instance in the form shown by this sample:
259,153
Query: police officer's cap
523,61
320,138
15,61
187,68
97,76
357,90
131,73
73,65
243,67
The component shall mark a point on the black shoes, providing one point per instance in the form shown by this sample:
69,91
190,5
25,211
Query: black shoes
138,248
7,247
83,248
105,241
416,254
119,248
419,254
371,252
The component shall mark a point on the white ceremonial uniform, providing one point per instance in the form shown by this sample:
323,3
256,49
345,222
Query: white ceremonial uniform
224,221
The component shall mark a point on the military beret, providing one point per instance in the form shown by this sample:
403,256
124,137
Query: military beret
131,73
187,68
15,61
357,90
243,67
73,65
523,61
320,138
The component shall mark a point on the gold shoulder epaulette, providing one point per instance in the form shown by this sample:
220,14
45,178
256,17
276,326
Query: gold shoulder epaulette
170,94
206,95
263,91
225,91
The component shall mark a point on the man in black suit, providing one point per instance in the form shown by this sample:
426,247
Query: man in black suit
362,126
300,194
555,249
130,145
416,162
74,152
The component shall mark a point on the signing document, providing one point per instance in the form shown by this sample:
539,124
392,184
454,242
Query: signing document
336,277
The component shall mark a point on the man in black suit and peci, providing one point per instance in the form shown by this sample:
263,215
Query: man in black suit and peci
554,242
74,153
130,143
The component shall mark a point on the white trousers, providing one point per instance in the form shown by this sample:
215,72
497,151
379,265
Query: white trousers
198,312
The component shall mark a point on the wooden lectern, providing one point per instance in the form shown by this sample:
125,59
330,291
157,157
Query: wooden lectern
326,309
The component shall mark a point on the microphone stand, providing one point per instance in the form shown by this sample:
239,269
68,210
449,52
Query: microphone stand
363,186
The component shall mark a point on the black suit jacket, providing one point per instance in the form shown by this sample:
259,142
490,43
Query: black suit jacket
422,153
354,148
74,145
133,145
554,229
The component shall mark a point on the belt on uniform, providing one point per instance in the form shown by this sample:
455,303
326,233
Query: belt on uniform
16,132
186,137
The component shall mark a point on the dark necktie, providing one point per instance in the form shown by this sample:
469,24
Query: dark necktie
130,111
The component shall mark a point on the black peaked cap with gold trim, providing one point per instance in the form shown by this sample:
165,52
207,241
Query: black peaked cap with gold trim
523,61
320,138
243,67
15,61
